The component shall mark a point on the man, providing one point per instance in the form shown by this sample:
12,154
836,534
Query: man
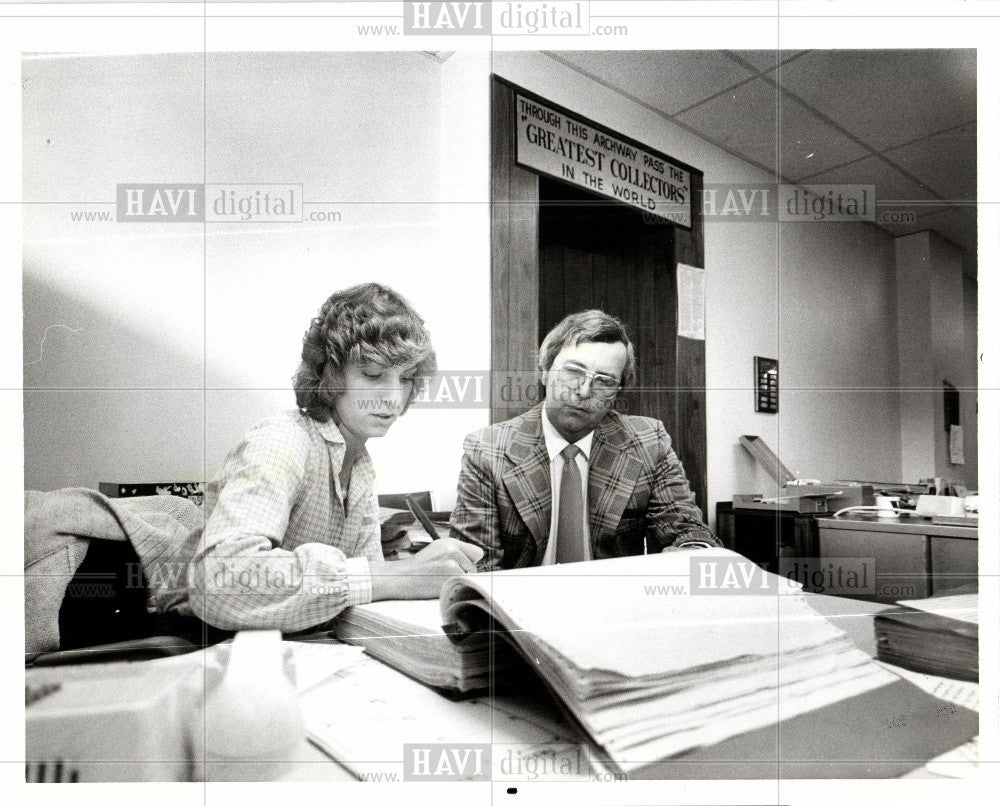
572,479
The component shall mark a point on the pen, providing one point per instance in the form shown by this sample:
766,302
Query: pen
422,517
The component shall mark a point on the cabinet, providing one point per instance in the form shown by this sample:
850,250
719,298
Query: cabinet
893,566
905,558
954,562
858,555
765,535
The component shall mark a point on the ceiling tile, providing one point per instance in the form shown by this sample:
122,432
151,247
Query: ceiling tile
961,217
809,144
927,211
906,219
765,60
850,100
666,80
742,121
890,184
887,97
946,163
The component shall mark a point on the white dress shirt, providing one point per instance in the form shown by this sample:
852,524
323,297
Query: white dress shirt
554,445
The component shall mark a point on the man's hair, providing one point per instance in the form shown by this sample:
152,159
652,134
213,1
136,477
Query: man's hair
592,325
366,323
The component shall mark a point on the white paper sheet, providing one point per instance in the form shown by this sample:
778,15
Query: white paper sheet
956,445
962,762
316,661
964,607
957,692
690,302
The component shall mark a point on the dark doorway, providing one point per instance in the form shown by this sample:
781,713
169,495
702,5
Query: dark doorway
595,253
556,248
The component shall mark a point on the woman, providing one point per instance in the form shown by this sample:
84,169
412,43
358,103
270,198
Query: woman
293,534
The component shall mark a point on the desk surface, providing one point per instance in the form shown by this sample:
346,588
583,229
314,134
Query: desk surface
480,717
387,709
905,524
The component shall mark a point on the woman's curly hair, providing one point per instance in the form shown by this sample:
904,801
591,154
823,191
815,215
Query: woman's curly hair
367,323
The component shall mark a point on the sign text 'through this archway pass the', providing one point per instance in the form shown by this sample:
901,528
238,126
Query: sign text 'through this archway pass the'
555,143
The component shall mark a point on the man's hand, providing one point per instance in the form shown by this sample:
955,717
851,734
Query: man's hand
423,575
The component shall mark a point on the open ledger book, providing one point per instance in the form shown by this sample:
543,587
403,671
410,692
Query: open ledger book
646,666
408,636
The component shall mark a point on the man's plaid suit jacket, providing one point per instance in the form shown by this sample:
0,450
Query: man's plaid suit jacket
638,496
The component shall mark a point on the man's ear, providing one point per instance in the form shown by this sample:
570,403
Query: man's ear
541,384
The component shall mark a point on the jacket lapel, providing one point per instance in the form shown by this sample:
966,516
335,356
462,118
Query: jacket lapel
527,481
614,471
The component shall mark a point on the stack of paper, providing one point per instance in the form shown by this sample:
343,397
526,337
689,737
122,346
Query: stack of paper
650,667
408,636
939,635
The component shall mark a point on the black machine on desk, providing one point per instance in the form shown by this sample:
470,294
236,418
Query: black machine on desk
805,496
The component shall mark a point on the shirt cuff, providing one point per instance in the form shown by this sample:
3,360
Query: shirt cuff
359,581
694,544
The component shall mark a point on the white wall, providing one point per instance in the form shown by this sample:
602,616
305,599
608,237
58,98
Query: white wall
181,339
113,314
937,327
836,323
947,336
969,380
177,347
916,394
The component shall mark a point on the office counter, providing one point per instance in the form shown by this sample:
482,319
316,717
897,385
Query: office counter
907,557
911,557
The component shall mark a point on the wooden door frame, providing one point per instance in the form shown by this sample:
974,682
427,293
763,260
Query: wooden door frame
514,260
514,270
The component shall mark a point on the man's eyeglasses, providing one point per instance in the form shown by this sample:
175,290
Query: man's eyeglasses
600,386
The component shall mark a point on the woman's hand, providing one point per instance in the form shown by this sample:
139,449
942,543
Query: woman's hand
423,575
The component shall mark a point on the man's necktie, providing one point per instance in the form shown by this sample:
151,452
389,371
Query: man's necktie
569,528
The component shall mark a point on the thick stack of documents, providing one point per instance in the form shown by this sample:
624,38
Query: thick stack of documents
937,636
651,663
408,636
